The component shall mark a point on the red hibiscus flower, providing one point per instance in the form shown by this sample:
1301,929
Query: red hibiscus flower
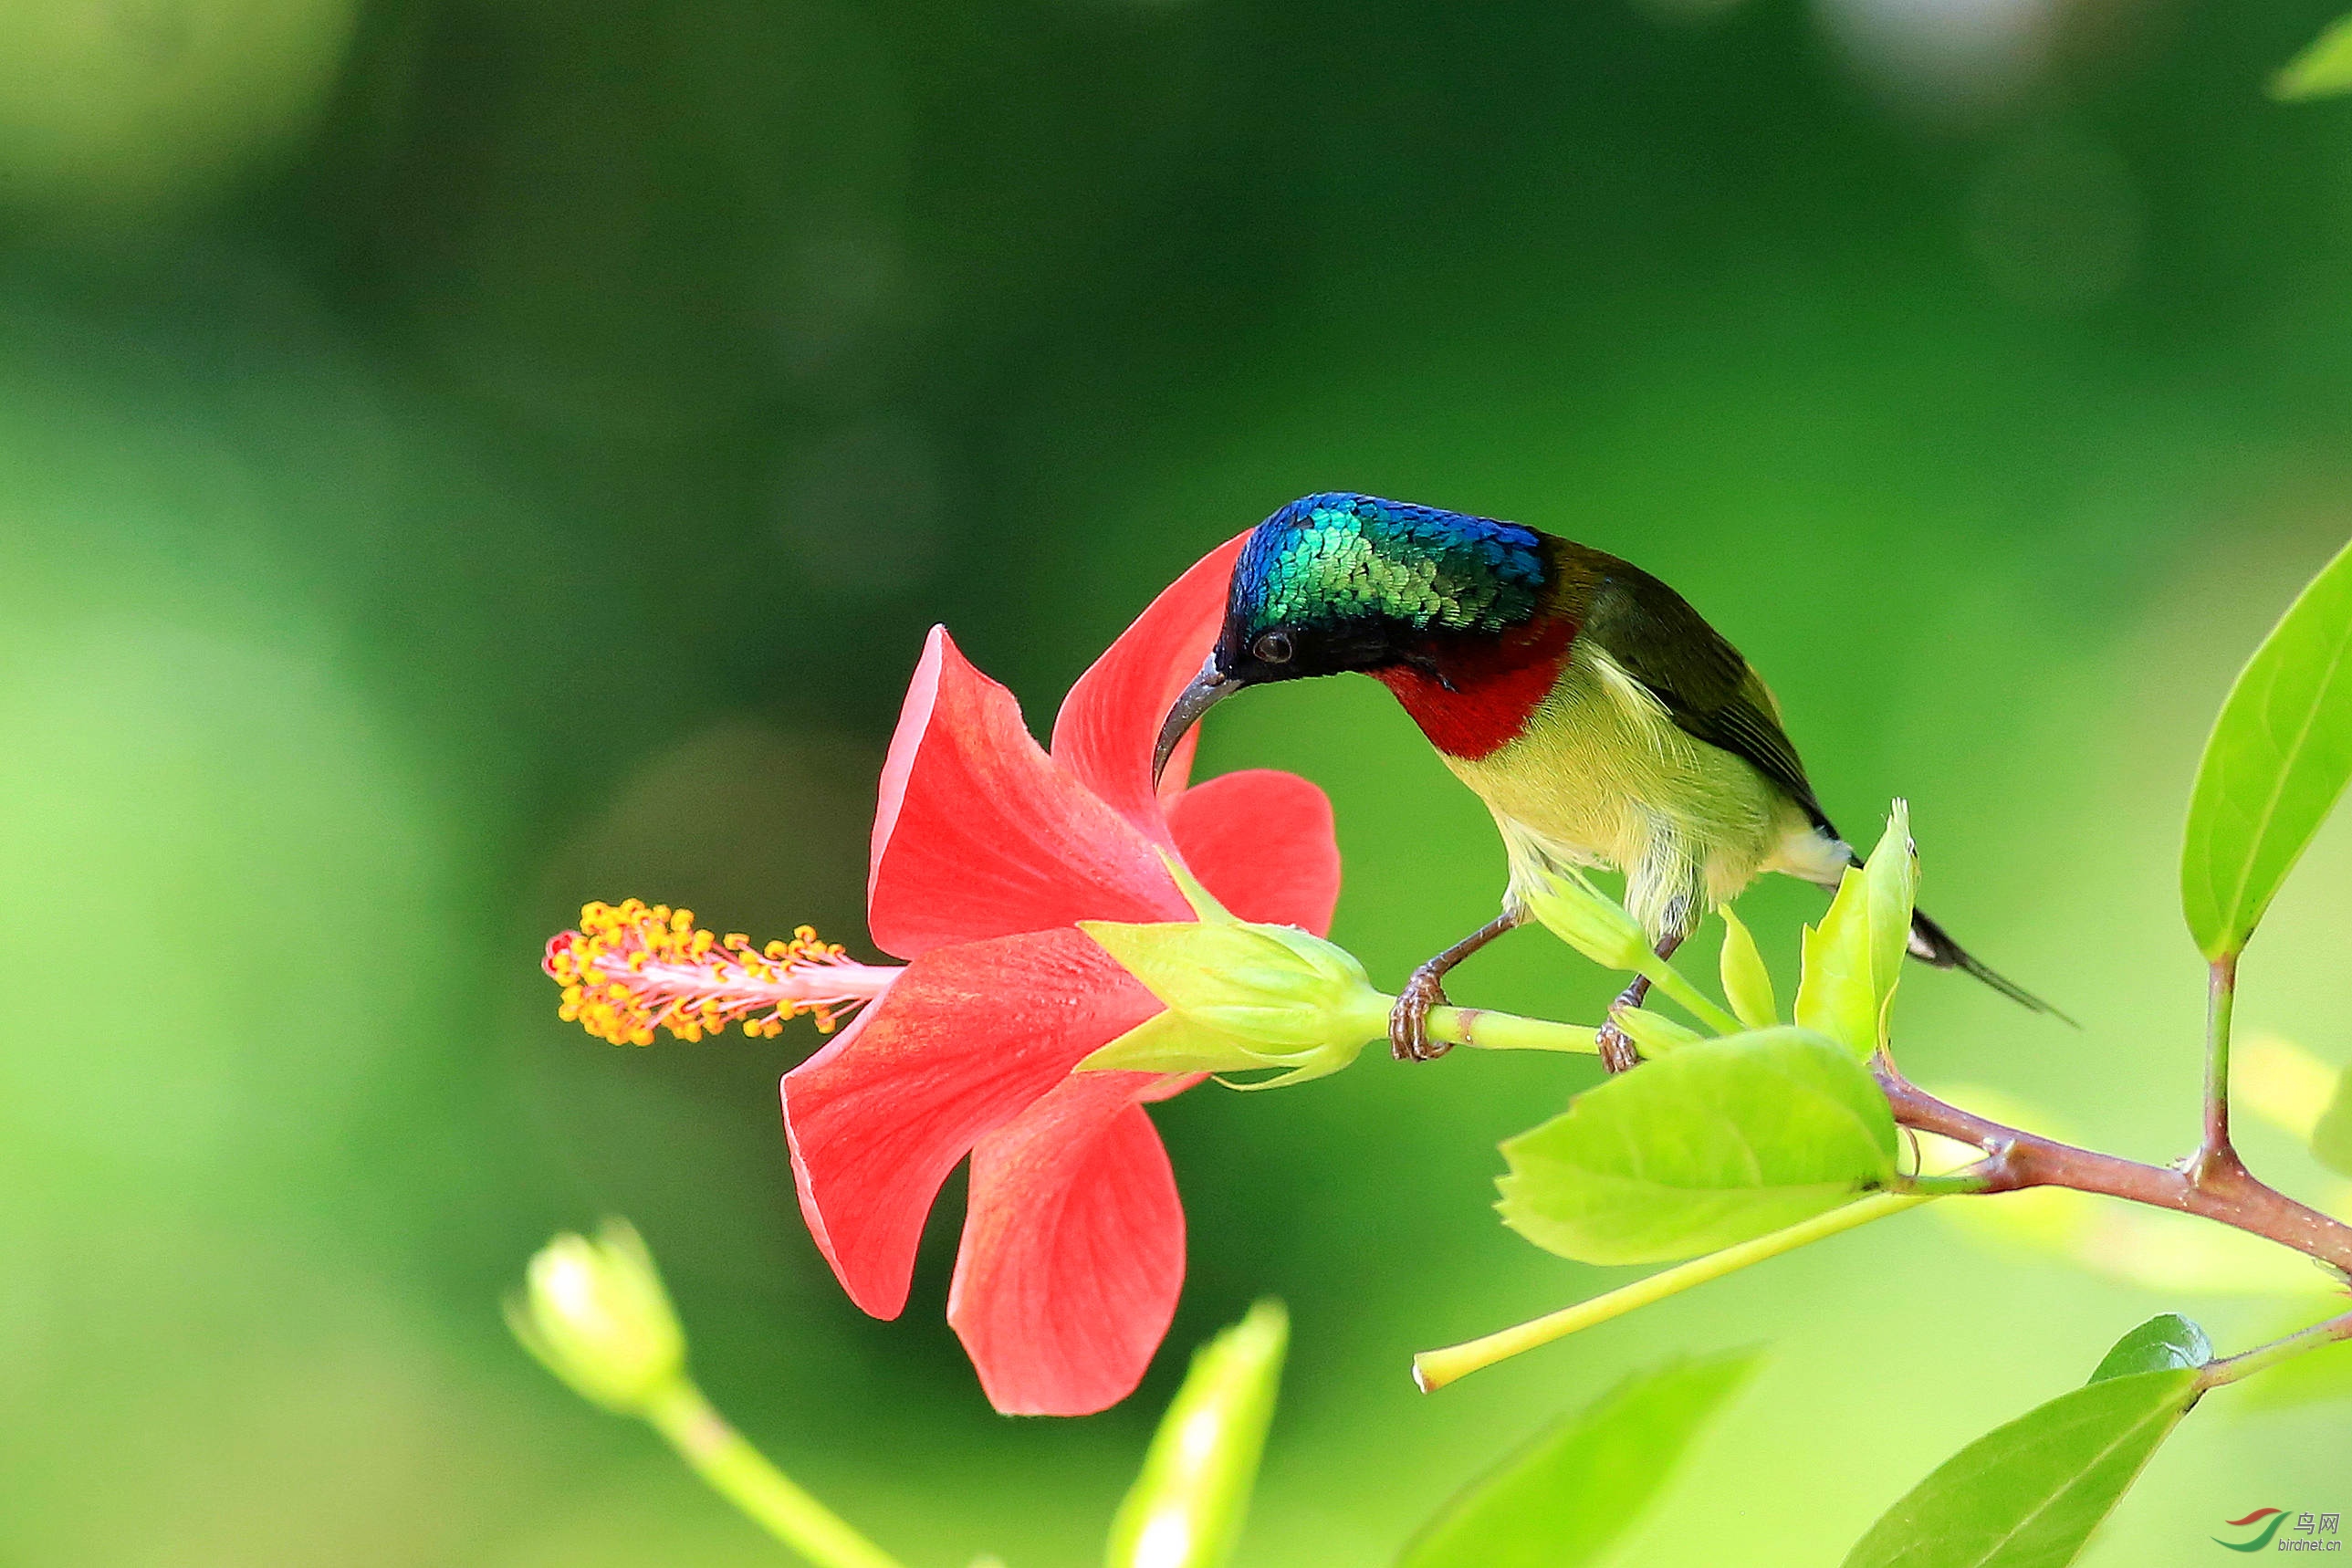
986,851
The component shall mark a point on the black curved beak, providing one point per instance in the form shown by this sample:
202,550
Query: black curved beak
1208,689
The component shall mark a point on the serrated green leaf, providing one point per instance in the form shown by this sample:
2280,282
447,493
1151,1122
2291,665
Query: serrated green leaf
2331,1135
1656,1034
1714,1144
2166,1342
2323,69
1566,1498
2029,1494
1186,1508
1747,984
2278,758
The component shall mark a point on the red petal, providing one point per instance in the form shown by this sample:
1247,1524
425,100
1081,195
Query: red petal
1262,842
1072,1251
961,1043
980,834
1110,721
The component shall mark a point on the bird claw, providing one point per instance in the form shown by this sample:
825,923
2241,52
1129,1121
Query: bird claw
1409,1038
1618,1053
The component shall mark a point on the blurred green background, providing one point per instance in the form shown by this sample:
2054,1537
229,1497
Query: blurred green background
462,458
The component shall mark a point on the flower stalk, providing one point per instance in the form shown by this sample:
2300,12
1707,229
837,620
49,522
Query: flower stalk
1432,1370
1484,1030
594,1313
739,1472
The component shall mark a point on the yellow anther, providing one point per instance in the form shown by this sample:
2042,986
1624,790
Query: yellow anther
633,968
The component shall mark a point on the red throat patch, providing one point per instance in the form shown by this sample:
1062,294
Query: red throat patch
1484,692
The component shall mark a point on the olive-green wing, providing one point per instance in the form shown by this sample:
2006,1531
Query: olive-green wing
1704,682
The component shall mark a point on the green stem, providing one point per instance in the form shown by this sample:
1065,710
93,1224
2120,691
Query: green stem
2231,1369
1672,981
1958,1184
1481,1030
742,1475
2215,1154
1432,1370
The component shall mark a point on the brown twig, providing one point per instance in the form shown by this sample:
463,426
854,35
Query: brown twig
2222,1190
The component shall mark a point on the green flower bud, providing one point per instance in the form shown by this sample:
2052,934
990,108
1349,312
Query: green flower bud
596,1315
1186,1509
1589,921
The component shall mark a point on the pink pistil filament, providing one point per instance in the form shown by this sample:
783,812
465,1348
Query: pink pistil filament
633,968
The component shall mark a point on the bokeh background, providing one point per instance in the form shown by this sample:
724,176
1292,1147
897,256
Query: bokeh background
462,458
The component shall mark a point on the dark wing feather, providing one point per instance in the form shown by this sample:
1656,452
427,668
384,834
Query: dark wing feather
1705,684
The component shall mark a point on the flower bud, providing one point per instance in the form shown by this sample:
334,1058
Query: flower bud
1588,920
1186,1509
1240,996
596,1315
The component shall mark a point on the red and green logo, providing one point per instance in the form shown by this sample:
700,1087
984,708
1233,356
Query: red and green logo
2275,1517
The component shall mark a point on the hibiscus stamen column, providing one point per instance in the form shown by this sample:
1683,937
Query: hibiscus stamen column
632,968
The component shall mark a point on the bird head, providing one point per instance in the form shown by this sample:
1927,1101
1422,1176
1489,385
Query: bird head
1343,581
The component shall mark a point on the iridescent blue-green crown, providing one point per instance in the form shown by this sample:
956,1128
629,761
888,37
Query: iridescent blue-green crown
1326,559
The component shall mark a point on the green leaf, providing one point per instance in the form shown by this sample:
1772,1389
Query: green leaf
1186,1508
1854,960
1571,1494
2322,70
2166,1342
2029,1494
1893,874
2277,760
2331,1136
1747,984
1834,994
1714,1144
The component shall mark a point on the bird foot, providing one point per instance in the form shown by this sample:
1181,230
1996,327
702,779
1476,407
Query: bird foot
1618,1053
1409,1038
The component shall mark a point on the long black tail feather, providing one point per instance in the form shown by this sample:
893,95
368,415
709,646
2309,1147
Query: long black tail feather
1931,943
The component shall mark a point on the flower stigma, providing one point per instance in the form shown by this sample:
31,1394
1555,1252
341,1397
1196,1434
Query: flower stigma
632,968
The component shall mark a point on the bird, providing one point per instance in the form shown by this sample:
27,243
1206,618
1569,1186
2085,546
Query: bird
1598,716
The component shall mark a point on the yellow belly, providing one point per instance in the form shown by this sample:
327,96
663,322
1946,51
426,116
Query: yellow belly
1603,777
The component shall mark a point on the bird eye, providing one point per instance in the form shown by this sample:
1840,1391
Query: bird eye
1272,647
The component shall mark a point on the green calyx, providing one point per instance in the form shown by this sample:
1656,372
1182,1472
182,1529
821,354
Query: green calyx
1240,996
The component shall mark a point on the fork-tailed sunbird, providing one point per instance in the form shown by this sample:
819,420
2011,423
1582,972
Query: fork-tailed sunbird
1598,716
